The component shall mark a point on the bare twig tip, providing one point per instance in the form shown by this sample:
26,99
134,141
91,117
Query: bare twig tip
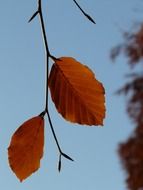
90,18
67,157
60,163
33,16
84,13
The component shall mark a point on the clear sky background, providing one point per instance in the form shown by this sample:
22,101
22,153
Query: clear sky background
97,165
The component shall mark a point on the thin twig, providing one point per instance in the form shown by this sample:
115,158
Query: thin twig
47,71
33,16
55,137
84,13
46,51
48,55
52,128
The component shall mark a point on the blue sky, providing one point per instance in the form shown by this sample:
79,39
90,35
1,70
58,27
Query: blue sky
94,149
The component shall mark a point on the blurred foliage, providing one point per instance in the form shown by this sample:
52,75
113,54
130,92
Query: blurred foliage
132,46
131,151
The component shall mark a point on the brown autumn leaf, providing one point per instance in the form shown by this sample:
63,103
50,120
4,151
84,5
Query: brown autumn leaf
26,147
77,95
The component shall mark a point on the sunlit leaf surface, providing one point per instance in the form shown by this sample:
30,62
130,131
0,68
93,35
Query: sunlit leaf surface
77,94
26,147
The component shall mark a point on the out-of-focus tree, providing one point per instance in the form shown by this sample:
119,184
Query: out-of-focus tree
131,151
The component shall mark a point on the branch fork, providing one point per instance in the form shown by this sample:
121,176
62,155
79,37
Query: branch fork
48,55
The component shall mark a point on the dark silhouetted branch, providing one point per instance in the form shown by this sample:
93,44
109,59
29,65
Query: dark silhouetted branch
33,16
85,14
48,55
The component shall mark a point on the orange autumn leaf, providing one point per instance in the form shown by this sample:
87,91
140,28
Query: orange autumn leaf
77,94
26,147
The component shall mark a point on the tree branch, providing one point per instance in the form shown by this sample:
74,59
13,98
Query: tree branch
84,13
46,50
52,128
48,55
